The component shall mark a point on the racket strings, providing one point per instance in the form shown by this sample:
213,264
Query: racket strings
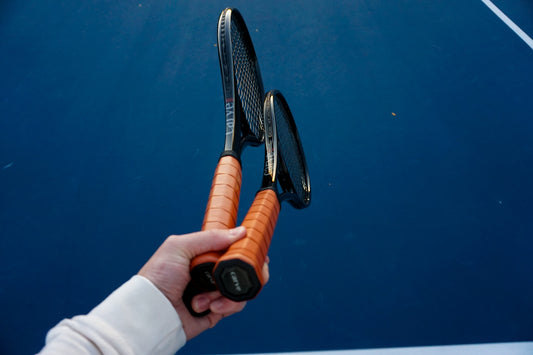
248,80
291,153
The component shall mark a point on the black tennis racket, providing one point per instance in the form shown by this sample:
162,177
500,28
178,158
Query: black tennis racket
238,273
243,103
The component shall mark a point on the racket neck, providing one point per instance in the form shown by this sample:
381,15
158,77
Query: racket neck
232,153
271,186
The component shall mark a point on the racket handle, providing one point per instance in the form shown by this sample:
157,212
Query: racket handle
238,273
221,213
190,291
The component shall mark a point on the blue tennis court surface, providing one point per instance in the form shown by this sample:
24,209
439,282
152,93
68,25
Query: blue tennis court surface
416,118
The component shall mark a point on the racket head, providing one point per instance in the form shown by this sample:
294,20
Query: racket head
291,170
241,82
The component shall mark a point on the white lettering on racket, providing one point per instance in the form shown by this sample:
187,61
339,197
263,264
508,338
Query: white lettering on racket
235,281
208,276
230,119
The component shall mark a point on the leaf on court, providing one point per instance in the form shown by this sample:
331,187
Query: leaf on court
393,114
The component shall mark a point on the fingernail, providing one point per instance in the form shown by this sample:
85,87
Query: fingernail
217,305
237,231
201,303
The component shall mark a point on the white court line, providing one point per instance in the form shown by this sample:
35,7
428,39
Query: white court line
509,23
525,348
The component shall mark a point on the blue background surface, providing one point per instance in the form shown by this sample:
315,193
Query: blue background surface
420,231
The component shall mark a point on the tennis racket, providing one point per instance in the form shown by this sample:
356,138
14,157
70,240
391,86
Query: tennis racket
243,102
238,273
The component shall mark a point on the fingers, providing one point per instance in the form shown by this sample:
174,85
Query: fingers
202,302
265,272
226,306
201,242
216,303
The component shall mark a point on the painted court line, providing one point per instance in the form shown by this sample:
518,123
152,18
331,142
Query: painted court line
509,23
524,348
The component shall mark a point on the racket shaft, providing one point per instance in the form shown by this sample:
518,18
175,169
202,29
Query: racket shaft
221,213
238,272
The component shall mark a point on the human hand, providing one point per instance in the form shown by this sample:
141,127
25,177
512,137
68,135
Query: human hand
168,270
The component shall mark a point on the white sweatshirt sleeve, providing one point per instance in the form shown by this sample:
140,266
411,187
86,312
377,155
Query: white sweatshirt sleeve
135,319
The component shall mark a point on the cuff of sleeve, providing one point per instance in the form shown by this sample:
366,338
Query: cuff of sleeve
144,317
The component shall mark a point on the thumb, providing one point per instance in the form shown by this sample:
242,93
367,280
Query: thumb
216,239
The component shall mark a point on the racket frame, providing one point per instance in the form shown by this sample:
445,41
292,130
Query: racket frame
221,211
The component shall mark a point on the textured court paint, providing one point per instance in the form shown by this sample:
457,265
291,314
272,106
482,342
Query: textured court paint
509,23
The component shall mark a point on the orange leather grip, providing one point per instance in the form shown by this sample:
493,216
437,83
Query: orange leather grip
221,213
238,273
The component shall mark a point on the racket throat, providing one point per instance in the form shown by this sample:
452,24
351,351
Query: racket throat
231,153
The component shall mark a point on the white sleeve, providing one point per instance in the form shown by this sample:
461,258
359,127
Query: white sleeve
135,319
